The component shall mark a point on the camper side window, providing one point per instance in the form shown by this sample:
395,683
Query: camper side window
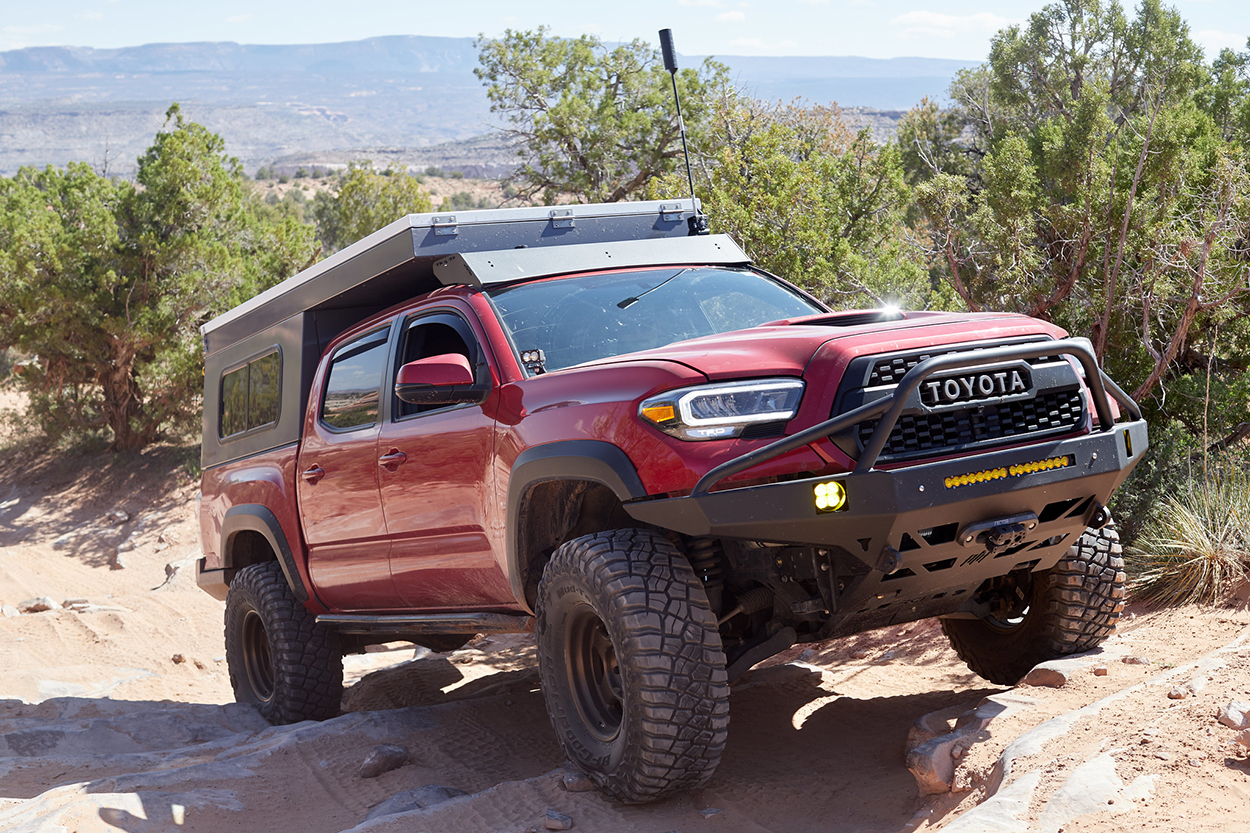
250,395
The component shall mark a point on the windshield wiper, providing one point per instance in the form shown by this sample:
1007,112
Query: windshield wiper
629,302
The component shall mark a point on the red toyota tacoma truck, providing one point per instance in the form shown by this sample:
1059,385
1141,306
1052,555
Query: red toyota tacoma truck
589,423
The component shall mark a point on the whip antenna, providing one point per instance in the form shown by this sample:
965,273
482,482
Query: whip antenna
698,223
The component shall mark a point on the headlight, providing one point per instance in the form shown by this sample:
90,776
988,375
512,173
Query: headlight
722,411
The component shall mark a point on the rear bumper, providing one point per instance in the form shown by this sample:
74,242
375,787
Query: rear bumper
213,582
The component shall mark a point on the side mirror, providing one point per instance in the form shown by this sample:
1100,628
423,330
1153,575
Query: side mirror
438,380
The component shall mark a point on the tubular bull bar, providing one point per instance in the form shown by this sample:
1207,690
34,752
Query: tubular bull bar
978,492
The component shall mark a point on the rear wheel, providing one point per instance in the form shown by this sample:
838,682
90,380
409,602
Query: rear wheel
279,658
1070,608
632,666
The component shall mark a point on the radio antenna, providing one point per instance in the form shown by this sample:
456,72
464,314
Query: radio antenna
698,223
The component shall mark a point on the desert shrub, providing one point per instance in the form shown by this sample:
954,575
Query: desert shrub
1172,458
463,201
1197,548
365,201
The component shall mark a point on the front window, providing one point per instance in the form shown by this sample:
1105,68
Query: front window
584,318
354,384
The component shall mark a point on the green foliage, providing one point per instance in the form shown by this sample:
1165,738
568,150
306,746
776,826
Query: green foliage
1174,456
105,283
1198,549
463,201
809,199
365,201
592,124
1091,173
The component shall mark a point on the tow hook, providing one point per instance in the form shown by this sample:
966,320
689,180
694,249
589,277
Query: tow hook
1100,518
891,559
999,534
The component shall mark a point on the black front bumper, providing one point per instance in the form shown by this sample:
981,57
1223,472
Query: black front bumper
916,531
883,505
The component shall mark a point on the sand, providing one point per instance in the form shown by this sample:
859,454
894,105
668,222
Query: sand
119,716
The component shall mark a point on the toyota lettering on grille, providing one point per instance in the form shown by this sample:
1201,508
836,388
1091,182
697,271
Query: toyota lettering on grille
970,387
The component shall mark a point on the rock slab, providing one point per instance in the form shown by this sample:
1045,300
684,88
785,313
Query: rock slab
383,758
417,799
558,821
1047,675
1235,715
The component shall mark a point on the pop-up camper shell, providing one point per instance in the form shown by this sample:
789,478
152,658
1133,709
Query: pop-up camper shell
299,317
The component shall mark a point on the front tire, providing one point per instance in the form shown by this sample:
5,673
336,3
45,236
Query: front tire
632,666
279,658
1072,607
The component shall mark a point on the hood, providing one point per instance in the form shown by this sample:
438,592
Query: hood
786,348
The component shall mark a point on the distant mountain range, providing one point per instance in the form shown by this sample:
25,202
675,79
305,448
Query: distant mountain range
406,96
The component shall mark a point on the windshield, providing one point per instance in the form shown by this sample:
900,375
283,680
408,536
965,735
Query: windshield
583,318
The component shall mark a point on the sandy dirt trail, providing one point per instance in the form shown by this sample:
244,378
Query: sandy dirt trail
118,714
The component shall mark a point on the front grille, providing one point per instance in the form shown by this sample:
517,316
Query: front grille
891,371
915,433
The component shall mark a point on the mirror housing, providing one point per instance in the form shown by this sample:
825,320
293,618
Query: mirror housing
438,380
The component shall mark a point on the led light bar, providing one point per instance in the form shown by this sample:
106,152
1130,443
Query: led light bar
1017,470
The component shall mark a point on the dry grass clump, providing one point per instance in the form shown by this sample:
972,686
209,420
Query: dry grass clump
1198,548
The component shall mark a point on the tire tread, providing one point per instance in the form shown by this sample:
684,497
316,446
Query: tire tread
1081,601
678,698
307,660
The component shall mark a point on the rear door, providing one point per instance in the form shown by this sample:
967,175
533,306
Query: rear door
344,527
436,488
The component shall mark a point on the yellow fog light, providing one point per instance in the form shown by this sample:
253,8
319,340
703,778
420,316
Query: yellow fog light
830,497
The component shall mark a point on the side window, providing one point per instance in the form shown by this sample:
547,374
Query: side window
353,388
432,335
250,395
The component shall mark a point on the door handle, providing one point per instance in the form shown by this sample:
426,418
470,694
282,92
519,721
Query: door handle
392,459
313,474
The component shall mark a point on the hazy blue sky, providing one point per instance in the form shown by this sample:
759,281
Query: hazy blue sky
871,28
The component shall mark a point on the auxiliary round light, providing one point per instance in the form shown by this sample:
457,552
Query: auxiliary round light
830,496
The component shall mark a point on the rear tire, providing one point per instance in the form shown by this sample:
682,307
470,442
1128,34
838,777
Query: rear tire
1072,607
279,658
632,666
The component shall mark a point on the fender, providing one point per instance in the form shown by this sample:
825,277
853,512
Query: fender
593,460
256,518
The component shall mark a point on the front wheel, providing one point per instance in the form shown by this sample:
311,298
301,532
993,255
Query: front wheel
632,666
279,658
1070,608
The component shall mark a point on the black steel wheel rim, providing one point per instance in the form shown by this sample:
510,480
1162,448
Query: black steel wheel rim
593,672
257,660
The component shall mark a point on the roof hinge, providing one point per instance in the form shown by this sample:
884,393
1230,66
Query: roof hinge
562,218
670,213
445,225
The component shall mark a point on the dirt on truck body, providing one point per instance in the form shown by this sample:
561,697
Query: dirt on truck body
590,423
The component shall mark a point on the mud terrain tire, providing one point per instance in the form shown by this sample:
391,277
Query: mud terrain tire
279,658
1073,607
632,666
